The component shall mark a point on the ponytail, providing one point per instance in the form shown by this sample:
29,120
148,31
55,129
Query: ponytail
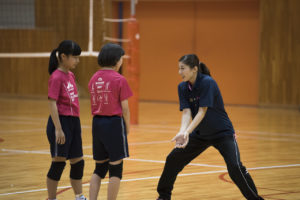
53,62
67,47
203,69
192,61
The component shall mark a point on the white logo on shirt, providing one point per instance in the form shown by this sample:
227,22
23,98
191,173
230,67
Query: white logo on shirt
70,91
100,90
70,86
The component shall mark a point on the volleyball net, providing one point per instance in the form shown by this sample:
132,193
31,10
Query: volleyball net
29,27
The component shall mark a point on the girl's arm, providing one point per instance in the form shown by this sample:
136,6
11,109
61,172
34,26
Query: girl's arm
185,119
196,121
187,128
126,114
60,136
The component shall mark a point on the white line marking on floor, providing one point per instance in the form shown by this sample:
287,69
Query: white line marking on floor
153,177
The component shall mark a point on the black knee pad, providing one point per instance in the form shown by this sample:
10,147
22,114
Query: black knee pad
101,169
116,170
76,171
56,170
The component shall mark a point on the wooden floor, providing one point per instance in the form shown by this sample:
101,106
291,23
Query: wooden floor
269,141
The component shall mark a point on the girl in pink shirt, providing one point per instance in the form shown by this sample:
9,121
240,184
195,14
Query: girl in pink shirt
109,92
63,128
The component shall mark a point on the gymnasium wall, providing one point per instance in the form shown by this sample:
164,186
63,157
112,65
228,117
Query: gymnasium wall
279,52
224,34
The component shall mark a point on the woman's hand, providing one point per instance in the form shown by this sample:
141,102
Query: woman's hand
60,136
181,139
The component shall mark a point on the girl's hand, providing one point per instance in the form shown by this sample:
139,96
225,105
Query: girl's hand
60,136
181,139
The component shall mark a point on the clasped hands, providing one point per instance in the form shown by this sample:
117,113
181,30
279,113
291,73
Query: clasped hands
181,139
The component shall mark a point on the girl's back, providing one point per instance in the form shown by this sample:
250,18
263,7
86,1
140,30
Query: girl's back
108,88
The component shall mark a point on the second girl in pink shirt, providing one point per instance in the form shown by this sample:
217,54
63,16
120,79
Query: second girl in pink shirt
109,92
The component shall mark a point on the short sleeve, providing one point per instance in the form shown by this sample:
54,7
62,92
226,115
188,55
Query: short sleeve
125,91
183,99
207,93
54,86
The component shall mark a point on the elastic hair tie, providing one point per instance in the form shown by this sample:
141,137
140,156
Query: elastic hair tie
56,53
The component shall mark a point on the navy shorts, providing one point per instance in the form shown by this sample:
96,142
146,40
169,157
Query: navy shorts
109,138
73,145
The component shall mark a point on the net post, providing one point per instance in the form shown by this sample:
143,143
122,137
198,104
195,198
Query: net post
133,68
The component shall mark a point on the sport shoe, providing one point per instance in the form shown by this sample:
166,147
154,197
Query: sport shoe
81,197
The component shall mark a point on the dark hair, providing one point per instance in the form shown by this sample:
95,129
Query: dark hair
110,54
67,47
192,60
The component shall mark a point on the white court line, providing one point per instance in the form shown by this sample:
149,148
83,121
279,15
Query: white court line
22,131
154,177
141,160
90,156
24,152
158,161
273,167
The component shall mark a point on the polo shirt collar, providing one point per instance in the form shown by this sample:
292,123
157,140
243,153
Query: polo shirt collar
196,84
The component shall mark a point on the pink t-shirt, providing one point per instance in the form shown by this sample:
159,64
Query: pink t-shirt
62,88
108,89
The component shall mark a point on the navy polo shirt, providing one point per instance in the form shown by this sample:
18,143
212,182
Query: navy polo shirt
205,93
